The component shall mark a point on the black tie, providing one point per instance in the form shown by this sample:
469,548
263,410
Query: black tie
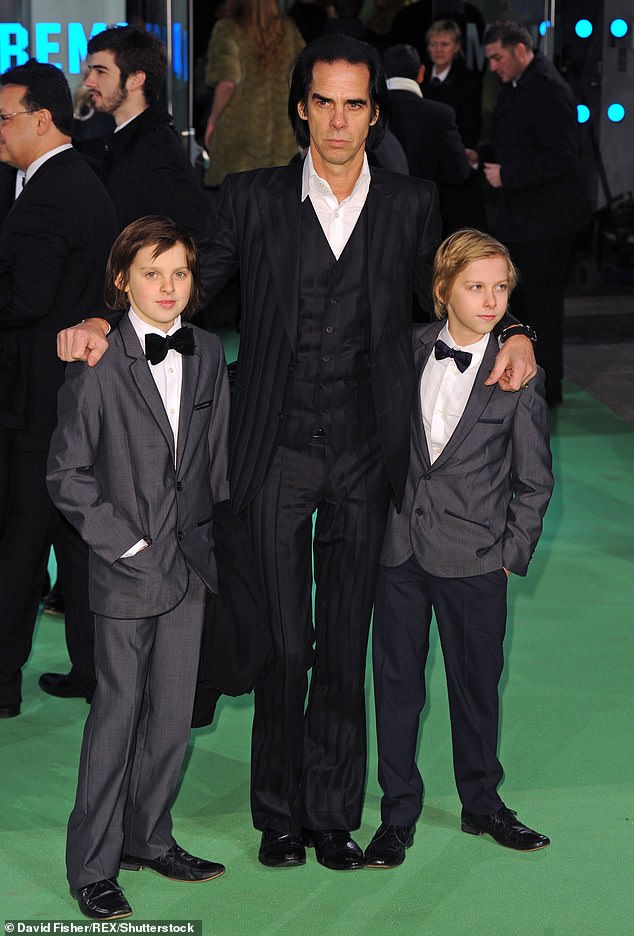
156,347
462,358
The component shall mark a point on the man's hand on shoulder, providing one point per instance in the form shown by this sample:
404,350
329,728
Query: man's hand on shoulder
515,364
84,342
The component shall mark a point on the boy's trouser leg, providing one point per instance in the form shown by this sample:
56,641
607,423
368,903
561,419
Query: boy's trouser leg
135,738
400,644
471,616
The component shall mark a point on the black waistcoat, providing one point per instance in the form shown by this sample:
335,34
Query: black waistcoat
331,389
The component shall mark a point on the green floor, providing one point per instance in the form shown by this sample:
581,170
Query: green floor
567,744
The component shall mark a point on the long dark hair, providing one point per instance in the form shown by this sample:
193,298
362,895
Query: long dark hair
338,48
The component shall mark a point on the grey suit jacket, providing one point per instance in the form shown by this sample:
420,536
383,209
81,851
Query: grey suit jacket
480,505
112,471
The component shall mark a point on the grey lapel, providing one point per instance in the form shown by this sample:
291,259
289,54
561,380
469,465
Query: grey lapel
478,399
140,371
191,369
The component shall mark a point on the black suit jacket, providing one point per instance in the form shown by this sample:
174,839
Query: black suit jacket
536,140
146,171
428,133
54,244
257,229
462,91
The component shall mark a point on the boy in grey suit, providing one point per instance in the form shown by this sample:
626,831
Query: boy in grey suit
137,461
478,485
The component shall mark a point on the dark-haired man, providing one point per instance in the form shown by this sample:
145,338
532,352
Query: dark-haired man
145,169
54,244
533,162
330,253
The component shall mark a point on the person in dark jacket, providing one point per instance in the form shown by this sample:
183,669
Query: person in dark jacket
533,162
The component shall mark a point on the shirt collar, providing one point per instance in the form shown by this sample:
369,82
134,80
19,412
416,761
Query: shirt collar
144,328
404,84
39,162
476,350
313,184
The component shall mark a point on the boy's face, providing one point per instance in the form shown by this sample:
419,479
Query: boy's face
478,299
158,287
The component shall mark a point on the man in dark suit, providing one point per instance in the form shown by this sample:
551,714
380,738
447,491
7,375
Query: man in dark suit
427,130
533,163
330,254
53,249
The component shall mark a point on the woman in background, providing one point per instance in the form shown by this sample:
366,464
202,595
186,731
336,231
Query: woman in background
251,51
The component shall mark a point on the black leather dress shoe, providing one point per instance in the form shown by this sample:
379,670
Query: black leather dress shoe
387,848
176,864
335,849
281,850
102,900
505,828
62,686
9,711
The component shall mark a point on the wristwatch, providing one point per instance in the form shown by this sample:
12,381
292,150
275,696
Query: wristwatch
517,328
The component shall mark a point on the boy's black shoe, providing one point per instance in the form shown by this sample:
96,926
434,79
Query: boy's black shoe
102,900
387,848
176,864
505,828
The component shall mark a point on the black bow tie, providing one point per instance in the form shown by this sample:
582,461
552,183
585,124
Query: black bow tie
156,347
462,358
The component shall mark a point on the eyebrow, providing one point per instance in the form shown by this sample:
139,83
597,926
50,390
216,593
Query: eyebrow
327,100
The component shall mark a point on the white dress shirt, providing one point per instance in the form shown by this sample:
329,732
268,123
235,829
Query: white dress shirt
404,84
39,162
444,391
337,219
168,377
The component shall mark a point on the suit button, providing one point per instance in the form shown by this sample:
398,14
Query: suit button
426,477
329,329
179,485
180,536
418,511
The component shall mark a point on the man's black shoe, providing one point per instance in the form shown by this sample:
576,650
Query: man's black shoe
9,711
335,849
387,848
176,864
281,850
505,828
63,686
102,900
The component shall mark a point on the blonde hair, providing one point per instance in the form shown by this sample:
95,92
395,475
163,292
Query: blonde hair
455,254
445,26
264,25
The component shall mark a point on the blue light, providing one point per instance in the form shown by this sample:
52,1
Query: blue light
583,113
616,113
583,28
544,26
619,28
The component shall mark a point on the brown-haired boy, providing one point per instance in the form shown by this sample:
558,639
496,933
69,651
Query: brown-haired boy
137,461
478,485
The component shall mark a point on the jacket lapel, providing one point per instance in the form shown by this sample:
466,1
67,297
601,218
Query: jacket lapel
478,399
279,203
384,240
422,349
191,368
140,370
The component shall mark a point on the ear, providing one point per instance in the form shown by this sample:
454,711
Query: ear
301,110
375,116
135,81
121,284
43,121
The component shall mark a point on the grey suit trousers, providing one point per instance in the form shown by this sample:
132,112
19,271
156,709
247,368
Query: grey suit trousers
135,737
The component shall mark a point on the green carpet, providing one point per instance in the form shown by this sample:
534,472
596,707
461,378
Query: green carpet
566,743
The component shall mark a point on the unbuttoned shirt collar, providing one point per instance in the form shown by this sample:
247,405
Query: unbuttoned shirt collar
404,84
337,219
39,162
